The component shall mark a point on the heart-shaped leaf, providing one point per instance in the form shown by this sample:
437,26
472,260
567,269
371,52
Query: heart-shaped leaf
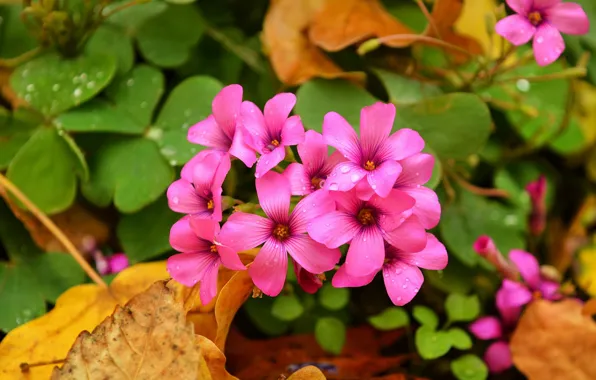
425,316
113,40
432,344
390,319
330,333
403,90
287,308
469,367
333,298
459,338
461,308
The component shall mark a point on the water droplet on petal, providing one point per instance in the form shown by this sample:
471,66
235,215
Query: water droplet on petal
355,178
344,169
334,187
175,200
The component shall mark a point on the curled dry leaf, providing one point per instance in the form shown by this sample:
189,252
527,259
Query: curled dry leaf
77,223
80,308
555,341
293,56
341,23
214,359
308,373
148,338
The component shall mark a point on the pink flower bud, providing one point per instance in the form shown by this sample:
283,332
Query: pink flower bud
485,247
537,192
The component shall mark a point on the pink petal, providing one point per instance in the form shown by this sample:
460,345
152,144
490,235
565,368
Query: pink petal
569,18
341,279
312,256
376,122
309,282
427,207
410,236
292,132
309,208
216,212
548,44
333,229
498,357
416,170
512,295
241,150
515,29
545,5
253,122
208,288
208,133
332,161
268,270
484,245
550,290
313,151
184,239
188,169
345,176
339,134
274,193
392,210
486,328
363,190
277,110
270,160
401,145
366,252
521,6
229,257
226,108
402,281
205,170
433,256
300,182
347,201
183,198
118,262
190,268
205,229
383,178
244,231
527,265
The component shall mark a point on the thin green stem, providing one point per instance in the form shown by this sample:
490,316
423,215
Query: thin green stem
16,61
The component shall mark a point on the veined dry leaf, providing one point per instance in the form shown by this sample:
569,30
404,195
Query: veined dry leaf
308,373
445,14
80,308
293,57
555,341
148,338
341,23
77,223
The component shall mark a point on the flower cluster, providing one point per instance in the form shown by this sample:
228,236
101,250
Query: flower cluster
511,297
369,194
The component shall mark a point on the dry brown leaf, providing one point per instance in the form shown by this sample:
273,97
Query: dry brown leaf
6,91
341,23
589,308
555,341
308,373
293,57
77,223
214,358
148,338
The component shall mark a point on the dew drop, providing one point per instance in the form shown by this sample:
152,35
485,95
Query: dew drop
143,104
77,92
90,84
130,82
355,178
404,286
345,169
398,299
373,187
175,200
56,87
363,239
398,271
539,40
333,187
30,87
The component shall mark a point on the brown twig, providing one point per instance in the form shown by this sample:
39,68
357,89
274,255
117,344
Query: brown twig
429,18
26,366
53,228
479,190
421,38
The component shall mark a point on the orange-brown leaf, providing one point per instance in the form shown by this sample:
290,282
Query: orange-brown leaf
215,359
308,373
341,23
293,57
555,341
148,338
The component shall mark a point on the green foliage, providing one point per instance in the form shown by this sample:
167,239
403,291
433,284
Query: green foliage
259,313
333,298
432,344
459,338
287,308
330,333
469,367
390,319
425,316
462,308
403,91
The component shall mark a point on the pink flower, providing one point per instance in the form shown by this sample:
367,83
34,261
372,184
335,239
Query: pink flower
537,192
485,247
283,232
316,165
271,132
309,282
219,131
401,272
497,356
544,20
366,225
416,171
202,254
115,263
201,196
374,155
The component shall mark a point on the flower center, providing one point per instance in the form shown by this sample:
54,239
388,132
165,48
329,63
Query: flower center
281,232
537,295
317,183
275,143
365,216
370,166
535,18
210,204
213,248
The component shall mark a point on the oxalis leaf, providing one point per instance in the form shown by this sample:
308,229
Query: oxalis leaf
51,184
131,171
112,40
390,319
52,84
469,367
461,308
432,344
330,333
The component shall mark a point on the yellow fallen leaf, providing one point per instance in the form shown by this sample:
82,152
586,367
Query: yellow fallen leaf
229,301
586,277
555,341
148,338
293,56
308,373
338,24
214,359
472,23
80,308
